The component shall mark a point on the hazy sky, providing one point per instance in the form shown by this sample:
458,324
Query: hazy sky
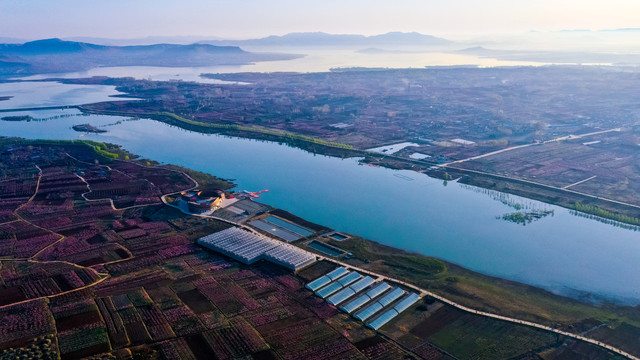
255,18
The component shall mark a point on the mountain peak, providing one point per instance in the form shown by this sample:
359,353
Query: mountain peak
55,45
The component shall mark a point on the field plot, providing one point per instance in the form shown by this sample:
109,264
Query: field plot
608,168
455,113
23,322
129,184
20,239
23,280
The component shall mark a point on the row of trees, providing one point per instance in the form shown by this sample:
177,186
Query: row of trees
287,137
600,212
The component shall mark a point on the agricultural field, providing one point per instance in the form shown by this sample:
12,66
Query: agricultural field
94,265
605,165
486,107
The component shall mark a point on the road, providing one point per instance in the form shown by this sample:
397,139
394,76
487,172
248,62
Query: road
562,138
579,182
572,137
487,154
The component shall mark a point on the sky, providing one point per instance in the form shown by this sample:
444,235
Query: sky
241,19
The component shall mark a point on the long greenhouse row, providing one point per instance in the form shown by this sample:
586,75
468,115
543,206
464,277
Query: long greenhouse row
375,303
248,248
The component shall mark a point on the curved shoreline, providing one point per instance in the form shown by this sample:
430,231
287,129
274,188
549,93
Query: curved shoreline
562,197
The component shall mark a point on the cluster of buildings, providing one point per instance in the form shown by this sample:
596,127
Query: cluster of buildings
199,201
248,247
375,303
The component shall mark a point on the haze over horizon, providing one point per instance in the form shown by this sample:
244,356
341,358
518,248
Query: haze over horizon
253,19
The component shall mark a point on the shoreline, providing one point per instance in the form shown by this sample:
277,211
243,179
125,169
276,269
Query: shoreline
566,198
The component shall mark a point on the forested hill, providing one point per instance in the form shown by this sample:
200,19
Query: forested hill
55,55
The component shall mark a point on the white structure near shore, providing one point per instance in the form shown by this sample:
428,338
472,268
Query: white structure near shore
248,248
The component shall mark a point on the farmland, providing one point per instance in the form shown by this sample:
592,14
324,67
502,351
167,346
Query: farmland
93,263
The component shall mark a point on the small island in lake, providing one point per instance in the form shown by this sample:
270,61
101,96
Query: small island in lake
88,128
18,118
526,217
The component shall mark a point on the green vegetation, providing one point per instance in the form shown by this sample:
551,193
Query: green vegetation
87,128
18,118
470,337
526,217
107,151
598,211
204,180
394,262
43,347
287,137
100,148
499,188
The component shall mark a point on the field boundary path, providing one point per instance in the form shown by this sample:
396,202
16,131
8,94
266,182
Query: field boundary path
32,259
511,148
579,182
102,277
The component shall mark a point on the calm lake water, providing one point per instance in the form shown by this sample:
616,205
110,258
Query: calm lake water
314,61
51,93
563,253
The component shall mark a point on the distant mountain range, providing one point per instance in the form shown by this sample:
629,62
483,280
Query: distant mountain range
55,55
617,46
58,56
320,39
303,39
149,40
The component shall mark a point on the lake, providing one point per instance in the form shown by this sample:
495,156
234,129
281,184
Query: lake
563,253
51,93
315,60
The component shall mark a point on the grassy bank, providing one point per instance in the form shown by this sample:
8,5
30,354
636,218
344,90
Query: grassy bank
492,294
288,137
